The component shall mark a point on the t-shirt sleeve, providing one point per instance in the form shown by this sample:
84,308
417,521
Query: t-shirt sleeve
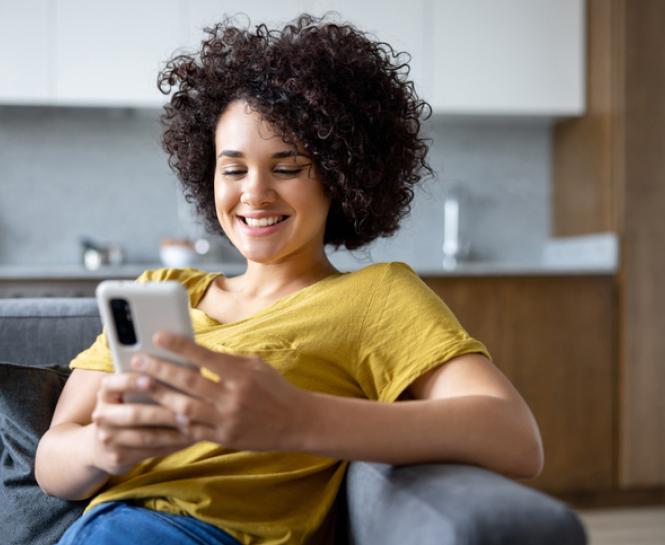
407,331
98,356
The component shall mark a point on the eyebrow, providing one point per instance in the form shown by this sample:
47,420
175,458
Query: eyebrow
278,155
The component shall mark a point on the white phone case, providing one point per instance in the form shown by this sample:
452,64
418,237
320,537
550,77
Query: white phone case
153,306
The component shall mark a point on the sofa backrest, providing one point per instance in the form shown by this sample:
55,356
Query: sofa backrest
47,331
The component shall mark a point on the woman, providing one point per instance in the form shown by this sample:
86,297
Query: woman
287,142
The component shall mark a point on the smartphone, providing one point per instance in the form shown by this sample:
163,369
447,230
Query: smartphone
132,312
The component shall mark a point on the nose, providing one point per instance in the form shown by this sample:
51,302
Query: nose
257,190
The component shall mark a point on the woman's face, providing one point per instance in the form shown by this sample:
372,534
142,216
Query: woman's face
268,198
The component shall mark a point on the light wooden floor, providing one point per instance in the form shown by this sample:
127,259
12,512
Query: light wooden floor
626,526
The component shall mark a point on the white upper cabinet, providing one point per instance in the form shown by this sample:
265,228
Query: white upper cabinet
26,52
204,13
395,22
109,53
508,57
476,57
469,57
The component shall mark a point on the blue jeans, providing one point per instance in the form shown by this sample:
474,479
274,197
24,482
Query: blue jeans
120,523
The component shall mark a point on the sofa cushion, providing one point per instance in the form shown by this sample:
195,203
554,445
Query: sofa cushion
28,396
37,332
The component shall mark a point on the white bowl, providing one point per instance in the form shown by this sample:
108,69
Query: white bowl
176,257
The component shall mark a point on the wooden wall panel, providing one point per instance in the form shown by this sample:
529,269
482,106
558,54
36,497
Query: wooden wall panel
609,174
584,164
643,255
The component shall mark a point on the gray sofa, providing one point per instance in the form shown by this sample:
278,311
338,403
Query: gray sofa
437,504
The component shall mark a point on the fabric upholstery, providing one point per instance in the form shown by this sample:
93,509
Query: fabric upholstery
27,398
450,504
40,331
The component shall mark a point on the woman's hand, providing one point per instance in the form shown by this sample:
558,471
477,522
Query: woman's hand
239,402
125,434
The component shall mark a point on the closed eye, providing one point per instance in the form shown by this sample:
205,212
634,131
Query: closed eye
283,172
287,171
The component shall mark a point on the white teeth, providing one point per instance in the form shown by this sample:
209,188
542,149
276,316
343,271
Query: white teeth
263,222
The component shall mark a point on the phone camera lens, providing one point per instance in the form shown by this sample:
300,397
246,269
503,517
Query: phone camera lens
124,324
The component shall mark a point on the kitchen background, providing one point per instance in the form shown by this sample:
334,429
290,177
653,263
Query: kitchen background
548,113
81,122
100,173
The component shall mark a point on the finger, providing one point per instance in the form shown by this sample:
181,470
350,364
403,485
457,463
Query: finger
186,409
134,414
116,384
201,432
219,362
147,438
190,381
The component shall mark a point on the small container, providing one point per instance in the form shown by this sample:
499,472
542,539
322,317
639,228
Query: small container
177,253
95,255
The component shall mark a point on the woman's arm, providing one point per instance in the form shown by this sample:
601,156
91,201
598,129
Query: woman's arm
94,435
466,411
63,464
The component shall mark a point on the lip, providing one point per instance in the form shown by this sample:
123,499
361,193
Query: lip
260,231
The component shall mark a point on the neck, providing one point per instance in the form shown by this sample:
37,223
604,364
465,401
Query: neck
266,280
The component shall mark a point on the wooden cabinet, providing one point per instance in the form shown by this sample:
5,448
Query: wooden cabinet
555,338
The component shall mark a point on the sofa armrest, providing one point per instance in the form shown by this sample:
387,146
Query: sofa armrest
446,504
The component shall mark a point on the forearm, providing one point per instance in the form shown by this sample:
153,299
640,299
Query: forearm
481,430
63,467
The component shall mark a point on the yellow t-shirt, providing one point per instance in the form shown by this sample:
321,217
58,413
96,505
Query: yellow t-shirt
365,334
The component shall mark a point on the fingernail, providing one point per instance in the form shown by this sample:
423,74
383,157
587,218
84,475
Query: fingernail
181,420
143,383
138,362
161,338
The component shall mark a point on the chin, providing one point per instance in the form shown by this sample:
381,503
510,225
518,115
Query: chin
264,258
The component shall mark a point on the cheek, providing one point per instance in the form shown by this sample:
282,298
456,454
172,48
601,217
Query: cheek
322,204
225,197
225,202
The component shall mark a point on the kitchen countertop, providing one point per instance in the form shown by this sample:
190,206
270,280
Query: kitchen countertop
593,254
128,271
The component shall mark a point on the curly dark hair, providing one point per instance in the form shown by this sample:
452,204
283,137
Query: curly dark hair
343,95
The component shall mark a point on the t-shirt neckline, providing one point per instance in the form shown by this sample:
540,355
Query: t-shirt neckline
211,277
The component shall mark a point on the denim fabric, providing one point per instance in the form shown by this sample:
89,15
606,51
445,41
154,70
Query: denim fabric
120,523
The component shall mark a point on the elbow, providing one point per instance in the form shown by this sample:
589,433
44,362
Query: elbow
39,477
538,459
43,475
531,459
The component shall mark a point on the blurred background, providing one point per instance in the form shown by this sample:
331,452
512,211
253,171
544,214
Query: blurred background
543,228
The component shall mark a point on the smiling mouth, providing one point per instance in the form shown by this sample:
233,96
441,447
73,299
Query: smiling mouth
263,222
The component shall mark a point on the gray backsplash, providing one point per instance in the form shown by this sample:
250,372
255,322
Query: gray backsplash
68,172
